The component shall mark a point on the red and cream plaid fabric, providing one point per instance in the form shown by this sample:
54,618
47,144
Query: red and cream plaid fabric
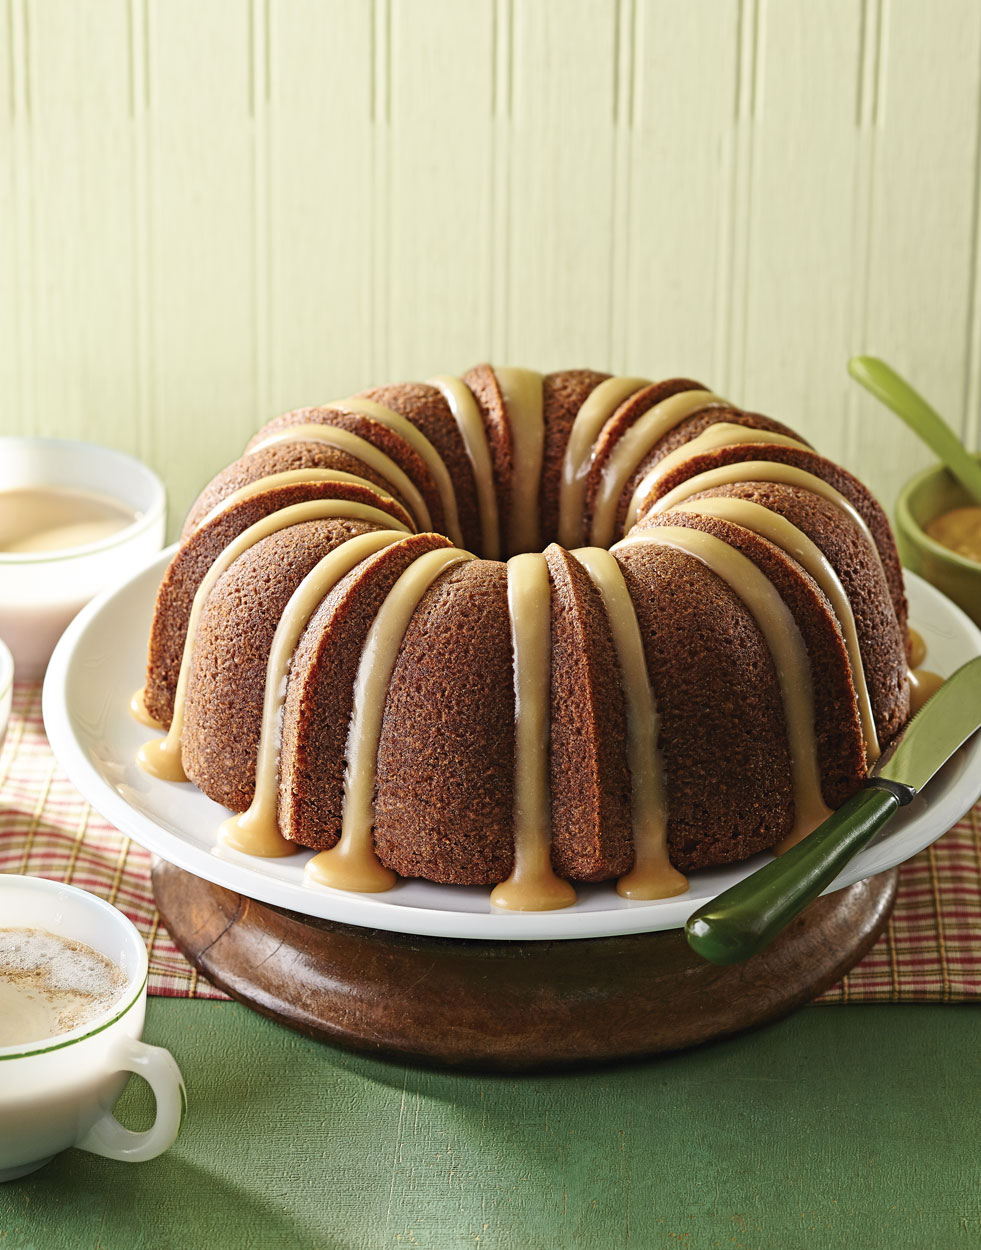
930,952
48,830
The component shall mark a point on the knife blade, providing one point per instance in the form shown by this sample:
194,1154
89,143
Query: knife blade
741,921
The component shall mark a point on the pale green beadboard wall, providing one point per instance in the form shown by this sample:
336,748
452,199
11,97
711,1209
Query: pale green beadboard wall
213,210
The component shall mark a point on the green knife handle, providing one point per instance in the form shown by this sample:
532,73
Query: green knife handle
745,918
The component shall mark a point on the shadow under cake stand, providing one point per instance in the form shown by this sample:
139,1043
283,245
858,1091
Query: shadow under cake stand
508,1006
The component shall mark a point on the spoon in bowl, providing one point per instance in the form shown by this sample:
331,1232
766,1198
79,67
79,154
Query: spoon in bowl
896,393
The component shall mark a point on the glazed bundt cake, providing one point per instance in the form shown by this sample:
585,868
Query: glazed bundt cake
525,631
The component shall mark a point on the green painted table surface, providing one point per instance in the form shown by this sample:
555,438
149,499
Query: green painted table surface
843,1126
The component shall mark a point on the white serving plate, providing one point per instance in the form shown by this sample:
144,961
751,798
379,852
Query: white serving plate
100,662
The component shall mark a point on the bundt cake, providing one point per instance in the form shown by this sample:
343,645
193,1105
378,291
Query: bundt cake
522,631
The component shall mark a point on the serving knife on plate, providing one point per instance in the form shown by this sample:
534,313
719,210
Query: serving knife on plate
748,916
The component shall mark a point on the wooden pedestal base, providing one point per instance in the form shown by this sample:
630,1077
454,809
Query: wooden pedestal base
507,1006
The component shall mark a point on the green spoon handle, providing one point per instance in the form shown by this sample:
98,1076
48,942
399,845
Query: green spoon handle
747,917
896,393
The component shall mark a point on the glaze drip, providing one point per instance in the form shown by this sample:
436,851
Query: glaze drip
532,885
652,875
631,448
779,531
599,406
783,638
256,831
466,414
521,390
352,864
765,471
354,445
290,477
420,444
721,434
162,757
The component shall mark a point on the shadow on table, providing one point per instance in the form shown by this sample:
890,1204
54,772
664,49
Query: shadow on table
167,1203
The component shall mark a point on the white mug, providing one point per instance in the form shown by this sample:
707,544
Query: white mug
60,1091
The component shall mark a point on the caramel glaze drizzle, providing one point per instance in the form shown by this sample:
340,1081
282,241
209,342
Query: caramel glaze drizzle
532,885
137,709
421,445
352,864
922,683
721,434
631,448
289,477
779,629
917,648
521,390
765,471
162,757
779,531
461,403
354,445
652,875
599,406
256,830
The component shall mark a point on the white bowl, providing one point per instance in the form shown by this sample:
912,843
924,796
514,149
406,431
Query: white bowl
6,687
40,592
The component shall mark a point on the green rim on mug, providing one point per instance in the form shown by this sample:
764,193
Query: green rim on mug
135,986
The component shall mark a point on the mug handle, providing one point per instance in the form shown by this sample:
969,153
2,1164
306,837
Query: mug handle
159,1069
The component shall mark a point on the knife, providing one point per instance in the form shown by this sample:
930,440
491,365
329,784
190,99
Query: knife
742,920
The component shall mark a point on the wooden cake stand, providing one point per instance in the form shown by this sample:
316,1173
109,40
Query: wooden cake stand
508,1006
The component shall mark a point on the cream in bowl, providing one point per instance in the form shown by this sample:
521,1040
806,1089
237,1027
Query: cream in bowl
74,517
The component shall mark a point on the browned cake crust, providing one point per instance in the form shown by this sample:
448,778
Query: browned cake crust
486,390
563,394
380,436
590,781
429,412
841,750
861,574
320,694
280,459
228,671
715,688
445,793
194,558
683,433
842,481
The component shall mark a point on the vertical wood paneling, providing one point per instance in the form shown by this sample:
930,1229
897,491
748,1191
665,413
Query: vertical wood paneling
684,64
803,216
202,244
923,219
322,193
440,194
562,176
214,210
83,241
15,285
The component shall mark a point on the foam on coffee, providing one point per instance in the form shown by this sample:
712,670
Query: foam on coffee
50,985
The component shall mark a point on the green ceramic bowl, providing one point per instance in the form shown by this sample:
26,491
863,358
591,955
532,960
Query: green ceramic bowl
922,498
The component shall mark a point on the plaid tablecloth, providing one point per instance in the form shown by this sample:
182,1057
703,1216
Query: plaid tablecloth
930,951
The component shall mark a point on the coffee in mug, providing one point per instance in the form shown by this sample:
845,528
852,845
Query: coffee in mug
50,985
62,955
